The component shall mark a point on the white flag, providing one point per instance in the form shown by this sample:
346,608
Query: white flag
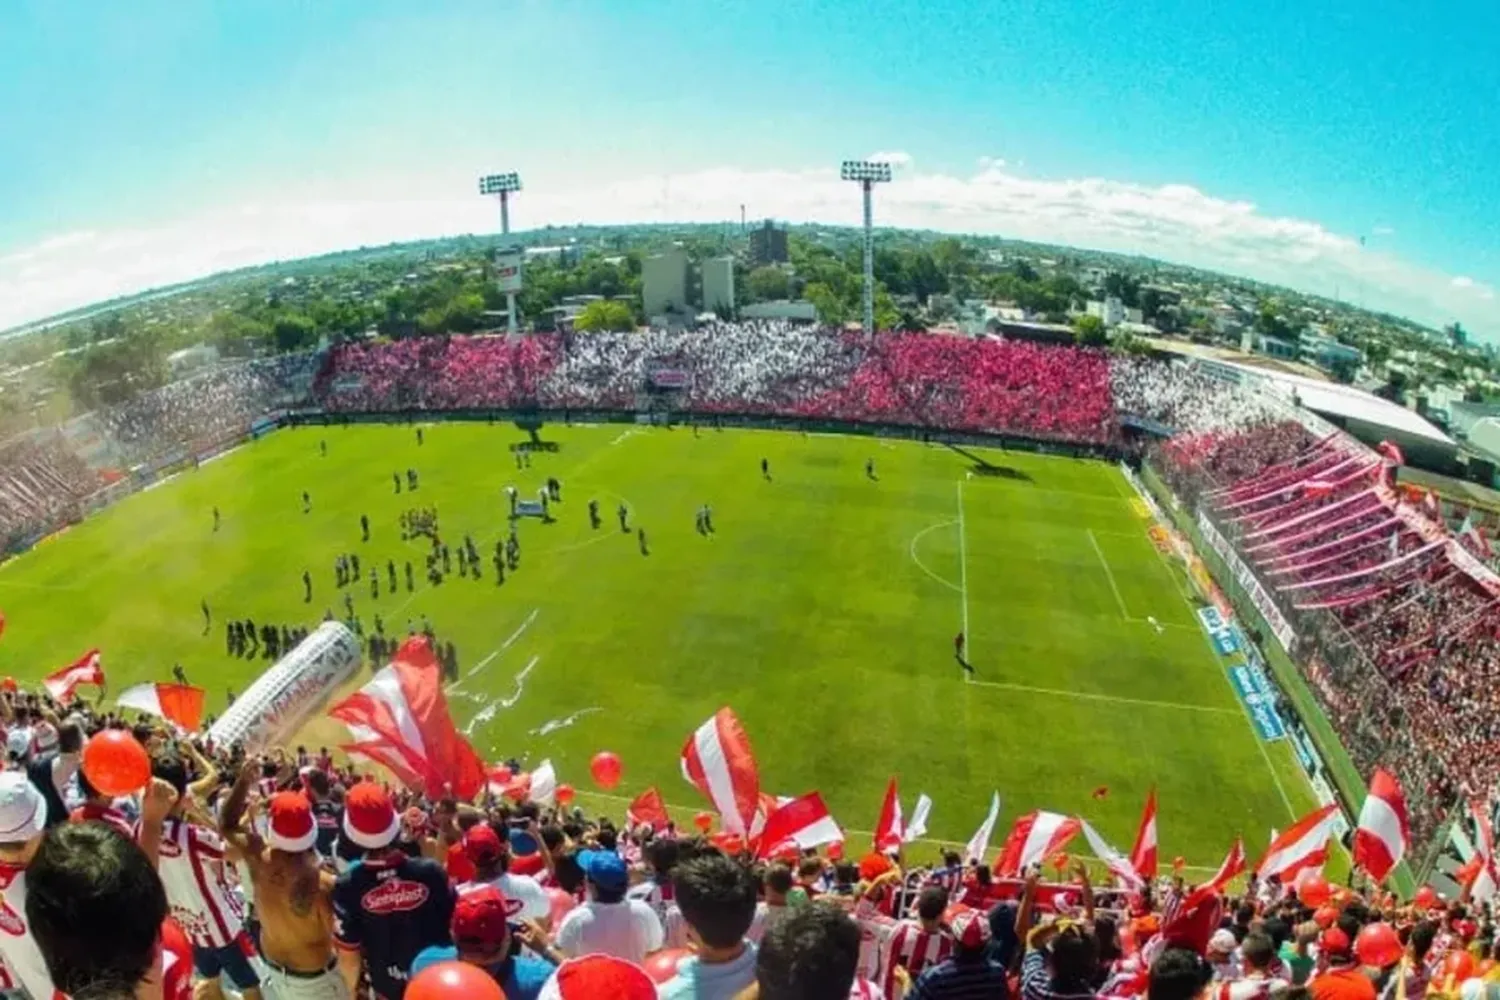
918,823
543,783
1118,864
980,842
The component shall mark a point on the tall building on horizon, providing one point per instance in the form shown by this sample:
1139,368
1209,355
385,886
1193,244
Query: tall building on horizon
718,284
664,283
768,245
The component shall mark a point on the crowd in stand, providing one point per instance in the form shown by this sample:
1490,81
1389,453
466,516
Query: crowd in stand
289,876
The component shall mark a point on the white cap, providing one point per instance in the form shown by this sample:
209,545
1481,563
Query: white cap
23,811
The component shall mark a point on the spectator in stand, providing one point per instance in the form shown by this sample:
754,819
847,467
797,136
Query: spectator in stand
655,890
1343,979
716,897
812,955
98,913
1255,982
1178,974
609,924
194,865
52,769
482,937
23,818
491,860
387,906
913,945
969,972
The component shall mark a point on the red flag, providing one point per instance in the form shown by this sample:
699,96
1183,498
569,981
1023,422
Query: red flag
1303,845
1232,865
803,823
400,719
87,669
648,808
1484,881
717,760
1381,838
889,828
181,704
1143,854
1034,838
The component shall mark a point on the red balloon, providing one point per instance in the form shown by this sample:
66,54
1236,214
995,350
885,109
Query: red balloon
606,769
704,821
1378,945
1426,898
9,684
559,902
1314,891
564,794
836,851
662,966
1325,916
115,763
1457,966
1179,863
454,981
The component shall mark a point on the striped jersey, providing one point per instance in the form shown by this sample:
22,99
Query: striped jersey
200,885
23,959
914,949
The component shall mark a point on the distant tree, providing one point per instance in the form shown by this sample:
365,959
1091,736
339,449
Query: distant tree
607,314
1089,331
1343,369
1125,287
909,321
1473,394
831,307
767,283
1023,270
923,278
293,332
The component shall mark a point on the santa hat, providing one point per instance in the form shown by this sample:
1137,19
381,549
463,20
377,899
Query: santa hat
598,976
370,819
971,929
291,827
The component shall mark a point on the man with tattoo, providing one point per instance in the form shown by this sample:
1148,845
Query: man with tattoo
292,893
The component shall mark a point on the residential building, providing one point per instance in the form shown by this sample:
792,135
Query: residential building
664,283
767,245
718,285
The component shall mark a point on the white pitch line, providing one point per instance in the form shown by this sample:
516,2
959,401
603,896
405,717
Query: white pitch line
912,551
963,576
1109,573
1114,698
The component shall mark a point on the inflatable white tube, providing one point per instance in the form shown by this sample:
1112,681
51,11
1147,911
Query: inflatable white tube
295,687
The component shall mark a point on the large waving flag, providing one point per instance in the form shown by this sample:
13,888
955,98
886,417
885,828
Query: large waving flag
803,822
1035,837
400,719
1485,881
1118,864
717,760
1232,865
543,783
980,842
648,807
1143,854
889,830
1381,838
180,704
1303,845
87,669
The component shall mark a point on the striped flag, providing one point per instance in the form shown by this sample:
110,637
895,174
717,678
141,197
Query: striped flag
1303,845
1381,838
180,704
717,760
1143,854
1034,838
87,669
889,829
803,823
648,807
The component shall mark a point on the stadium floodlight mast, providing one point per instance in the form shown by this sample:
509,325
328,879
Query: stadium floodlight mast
503,185
867,173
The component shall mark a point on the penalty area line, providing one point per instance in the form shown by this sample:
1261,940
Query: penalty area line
1112,698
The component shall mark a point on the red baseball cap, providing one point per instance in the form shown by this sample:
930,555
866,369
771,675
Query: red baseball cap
479,919
482,844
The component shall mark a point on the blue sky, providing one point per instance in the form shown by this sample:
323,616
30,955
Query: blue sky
156,141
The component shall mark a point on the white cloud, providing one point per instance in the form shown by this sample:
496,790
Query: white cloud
1382,231
1173,222
898,159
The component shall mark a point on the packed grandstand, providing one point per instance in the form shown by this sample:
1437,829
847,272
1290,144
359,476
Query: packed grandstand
1394,622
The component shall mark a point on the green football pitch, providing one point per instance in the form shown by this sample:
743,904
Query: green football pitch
823,609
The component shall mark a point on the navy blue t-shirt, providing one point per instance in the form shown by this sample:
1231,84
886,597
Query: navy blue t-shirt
389,907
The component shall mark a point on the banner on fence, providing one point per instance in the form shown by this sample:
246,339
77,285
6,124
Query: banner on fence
1251,687
1277,622
1226,642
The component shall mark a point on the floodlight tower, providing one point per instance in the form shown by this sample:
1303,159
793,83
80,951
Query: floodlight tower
868,173
504,185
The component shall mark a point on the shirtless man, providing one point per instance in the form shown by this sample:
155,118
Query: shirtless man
292,894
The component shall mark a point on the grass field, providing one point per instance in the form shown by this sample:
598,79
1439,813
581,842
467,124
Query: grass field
823,610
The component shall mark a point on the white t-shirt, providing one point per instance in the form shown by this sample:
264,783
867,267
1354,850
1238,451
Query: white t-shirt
18,741
535,904
627,930
22,957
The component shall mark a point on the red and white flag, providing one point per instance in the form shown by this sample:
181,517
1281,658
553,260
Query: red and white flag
1143,854
87,669
1232,865
400,719
543,783
717,760
917,825
180,704
1118,864
648,808
889,829
1485,880
1035,837
1381,838
803,822
1303,845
